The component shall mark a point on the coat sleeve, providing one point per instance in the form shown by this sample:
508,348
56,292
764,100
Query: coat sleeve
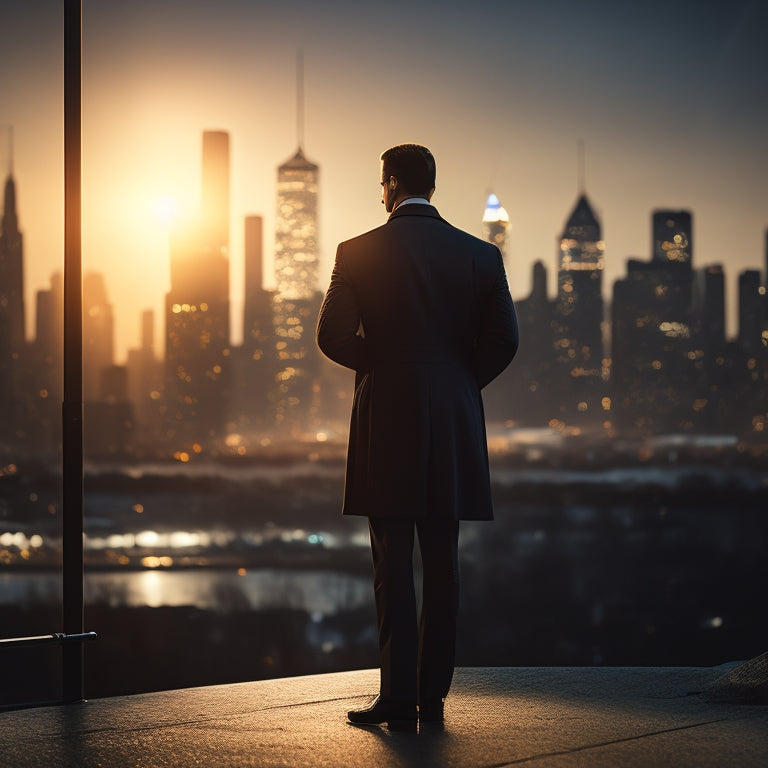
499,337
339,333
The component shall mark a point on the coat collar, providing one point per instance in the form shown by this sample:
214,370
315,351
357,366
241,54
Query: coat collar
415,209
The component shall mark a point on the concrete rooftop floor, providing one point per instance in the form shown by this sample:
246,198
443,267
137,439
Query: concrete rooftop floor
494,717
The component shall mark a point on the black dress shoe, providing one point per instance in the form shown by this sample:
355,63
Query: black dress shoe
398,715
431,711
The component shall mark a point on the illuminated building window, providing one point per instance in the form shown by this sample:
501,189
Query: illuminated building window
675,330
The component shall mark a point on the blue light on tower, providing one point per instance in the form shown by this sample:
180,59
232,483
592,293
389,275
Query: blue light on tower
495,222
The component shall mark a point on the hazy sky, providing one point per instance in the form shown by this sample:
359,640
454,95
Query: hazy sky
669,96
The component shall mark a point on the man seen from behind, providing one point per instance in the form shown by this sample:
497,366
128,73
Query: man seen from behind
421,311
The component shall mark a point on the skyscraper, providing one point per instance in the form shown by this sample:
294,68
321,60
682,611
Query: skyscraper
657,358
751,306
214,221
98,335
12,336
296,256
579,314
495,223
529,395
296,300
11,272
672,236
49,317
710,403
108,416
197,313
498,397
145,381
215,195
257,316
46,368
752,354
709,305
256,361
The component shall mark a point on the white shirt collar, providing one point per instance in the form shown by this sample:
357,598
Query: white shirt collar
412,201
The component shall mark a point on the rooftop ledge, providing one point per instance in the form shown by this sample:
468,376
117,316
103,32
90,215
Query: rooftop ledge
545,716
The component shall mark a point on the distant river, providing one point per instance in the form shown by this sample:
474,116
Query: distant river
323,592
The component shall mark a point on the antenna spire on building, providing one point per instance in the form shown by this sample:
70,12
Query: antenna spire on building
580,179
9,160
300,97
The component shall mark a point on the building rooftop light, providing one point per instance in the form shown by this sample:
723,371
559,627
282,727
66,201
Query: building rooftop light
494,211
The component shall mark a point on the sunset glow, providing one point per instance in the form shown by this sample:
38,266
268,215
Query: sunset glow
166,209
155,76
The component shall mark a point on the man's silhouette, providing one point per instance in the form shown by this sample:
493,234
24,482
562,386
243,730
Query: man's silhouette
421,311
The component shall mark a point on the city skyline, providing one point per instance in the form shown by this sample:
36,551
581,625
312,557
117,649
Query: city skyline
661,362
669,119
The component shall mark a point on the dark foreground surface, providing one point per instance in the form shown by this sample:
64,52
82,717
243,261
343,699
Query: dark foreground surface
545,716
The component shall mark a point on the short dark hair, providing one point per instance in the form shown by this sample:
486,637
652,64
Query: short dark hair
412,165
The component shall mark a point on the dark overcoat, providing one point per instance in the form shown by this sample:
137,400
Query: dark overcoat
422,312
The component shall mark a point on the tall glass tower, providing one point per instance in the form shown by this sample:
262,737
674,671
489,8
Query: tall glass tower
296,290
12,335
579,311
495,223
296,228
215,192
11,269
197,377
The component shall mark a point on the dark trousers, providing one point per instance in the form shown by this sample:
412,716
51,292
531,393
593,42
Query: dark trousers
416,659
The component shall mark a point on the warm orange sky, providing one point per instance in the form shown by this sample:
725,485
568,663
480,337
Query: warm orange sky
669,98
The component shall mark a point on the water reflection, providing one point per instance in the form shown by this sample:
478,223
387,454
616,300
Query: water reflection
149,539
319,592
166,548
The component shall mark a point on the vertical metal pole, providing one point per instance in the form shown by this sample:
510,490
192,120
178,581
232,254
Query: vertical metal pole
72,407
